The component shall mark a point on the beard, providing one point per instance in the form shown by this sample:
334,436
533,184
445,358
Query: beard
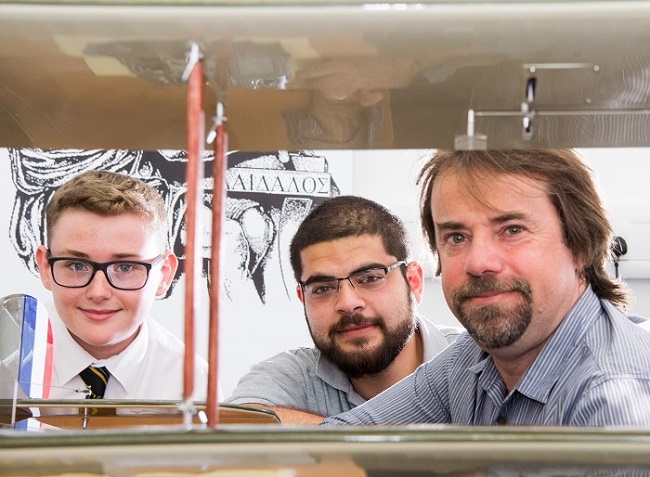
362,361
494,326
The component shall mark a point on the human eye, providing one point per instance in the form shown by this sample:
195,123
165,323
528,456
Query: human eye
513,230
370,278
454,238
125,268
76,266
322,288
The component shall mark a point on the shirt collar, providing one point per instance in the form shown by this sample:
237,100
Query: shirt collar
432,339
332,375
540,377
70,358
124,367
542,374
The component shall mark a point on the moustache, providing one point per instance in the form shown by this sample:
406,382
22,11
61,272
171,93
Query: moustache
355,320
481,285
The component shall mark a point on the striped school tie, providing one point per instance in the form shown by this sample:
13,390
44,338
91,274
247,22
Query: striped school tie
95,379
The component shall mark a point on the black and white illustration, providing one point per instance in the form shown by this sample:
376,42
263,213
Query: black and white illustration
268,196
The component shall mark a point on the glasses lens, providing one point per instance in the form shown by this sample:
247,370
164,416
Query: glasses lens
322,290
72,273
369,279
127,275
79,273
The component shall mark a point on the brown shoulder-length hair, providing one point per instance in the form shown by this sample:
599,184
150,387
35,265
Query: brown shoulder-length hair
570,187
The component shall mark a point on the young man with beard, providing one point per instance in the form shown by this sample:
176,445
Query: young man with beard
522,242
359,292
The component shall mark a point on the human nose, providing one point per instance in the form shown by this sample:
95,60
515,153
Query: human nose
348,299
484,257
99,286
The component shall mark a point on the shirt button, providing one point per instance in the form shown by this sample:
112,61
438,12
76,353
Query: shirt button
501,420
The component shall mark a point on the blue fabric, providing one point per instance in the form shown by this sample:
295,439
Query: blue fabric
27,343
593,371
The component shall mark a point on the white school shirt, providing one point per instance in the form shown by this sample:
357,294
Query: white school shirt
150,368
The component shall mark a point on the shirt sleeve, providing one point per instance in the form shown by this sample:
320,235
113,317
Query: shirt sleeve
415,399
279,381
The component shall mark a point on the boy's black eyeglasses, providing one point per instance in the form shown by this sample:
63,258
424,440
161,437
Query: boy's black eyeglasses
323,289
71,272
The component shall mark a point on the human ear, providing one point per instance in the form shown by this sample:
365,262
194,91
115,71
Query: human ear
415,278
300,295
43,267
168,271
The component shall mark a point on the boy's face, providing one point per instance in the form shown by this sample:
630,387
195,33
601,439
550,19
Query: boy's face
103,319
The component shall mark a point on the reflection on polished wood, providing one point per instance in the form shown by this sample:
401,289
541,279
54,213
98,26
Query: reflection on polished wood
326,76
107,414
112,420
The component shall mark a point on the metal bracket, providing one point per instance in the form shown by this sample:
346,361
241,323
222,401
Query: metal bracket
193,57
217,120
527,109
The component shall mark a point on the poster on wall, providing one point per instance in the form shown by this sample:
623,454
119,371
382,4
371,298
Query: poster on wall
268,195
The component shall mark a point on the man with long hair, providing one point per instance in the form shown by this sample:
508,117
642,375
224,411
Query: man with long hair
522,241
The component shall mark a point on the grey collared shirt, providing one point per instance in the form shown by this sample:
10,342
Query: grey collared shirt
304,380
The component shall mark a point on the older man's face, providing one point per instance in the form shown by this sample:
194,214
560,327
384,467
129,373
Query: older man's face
506,273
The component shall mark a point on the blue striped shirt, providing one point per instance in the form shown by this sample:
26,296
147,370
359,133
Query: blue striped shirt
593,371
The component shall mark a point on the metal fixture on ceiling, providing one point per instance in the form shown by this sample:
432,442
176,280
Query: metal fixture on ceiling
530,106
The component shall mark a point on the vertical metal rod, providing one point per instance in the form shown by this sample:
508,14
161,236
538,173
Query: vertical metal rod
194,173
470,122
218,215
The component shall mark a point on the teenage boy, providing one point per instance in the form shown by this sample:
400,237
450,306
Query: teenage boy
106,261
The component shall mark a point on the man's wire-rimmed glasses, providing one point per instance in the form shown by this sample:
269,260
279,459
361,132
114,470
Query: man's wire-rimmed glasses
72,272
323,289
